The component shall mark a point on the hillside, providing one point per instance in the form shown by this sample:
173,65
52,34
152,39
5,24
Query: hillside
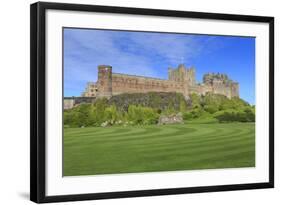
146,108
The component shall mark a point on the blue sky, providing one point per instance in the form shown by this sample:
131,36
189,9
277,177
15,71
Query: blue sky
150,54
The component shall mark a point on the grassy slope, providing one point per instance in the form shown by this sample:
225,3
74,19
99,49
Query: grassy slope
99,150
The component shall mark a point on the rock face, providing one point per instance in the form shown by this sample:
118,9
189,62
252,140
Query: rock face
170,119
156,100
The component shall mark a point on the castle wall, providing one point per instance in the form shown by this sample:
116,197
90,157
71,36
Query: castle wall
122,83
235,90
181,80
200,89
71,102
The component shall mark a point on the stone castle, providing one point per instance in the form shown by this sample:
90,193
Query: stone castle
180,80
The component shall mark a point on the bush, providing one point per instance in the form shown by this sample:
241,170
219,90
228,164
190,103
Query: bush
211,108
197,112
187,116
250,112
235,116
142,115
77,117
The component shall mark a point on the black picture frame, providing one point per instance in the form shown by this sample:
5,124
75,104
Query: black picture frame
38,101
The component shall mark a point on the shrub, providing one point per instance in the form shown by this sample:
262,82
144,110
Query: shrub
211,108
235,116
197,112
142,115
187,116
75,118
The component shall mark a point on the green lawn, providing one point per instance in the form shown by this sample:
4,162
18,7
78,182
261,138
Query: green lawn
97,150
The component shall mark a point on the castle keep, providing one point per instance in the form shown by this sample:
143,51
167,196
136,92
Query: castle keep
180,80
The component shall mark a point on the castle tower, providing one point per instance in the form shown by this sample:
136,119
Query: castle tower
182,74
104,83
190,75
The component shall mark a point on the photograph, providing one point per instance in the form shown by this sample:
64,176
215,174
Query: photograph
134,102
143,101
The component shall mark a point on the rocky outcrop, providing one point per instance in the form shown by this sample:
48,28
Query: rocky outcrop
156,100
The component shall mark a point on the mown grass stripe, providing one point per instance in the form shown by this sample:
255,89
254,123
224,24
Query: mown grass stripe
167,139
185,151
162,148
189,146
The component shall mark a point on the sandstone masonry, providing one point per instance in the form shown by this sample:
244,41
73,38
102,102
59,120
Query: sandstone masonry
180,80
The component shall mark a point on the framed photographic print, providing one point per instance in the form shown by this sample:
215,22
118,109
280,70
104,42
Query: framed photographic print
129,102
